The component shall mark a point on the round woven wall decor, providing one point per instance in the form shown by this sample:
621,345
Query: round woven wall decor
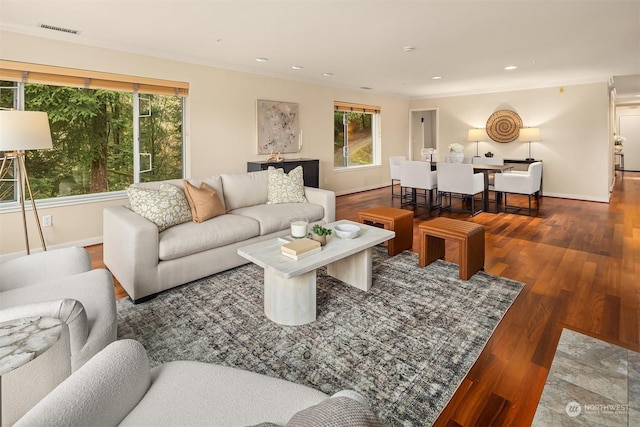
504,126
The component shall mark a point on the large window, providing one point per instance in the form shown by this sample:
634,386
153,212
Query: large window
354,134
104,139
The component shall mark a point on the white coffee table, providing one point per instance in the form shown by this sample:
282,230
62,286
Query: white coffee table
290,285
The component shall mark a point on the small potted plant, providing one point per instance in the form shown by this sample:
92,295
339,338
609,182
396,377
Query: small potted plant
320,233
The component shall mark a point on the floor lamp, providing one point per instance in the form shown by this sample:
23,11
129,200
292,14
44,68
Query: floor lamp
21,131
476,135
529,135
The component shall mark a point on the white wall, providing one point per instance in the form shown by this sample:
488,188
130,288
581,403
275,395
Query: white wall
573,121
220,128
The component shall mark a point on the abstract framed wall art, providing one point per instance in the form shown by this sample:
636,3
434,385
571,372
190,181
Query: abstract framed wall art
278,127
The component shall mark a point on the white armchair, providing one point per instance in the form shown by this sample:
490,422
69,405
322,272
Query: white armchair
418,176
61,284
395,168
459,179
520,182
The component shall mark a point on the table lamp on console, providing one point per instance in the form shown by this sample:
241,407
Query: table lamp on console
530,135
476,135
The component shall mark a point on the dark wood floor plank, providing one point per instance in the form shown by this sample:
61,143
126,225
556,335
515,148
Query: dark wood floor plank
580,263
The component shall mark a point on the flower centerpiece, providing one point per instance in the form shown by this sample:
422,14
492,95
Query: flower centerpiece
456,152
618,142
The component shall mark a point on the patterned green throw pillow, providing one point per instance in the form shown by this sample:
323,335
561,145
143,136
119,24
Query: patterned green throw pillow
165,207
285,188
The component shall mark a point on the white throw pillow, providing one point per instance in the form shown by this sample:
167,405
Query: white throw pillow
285,188
167,206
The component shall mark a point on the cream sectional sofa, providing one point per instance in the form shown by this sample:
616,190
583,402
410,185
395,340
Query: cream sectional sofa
146,261
117,387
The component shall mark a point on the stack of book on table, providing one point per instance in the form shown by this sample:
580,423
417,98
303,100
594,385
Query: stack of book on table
300,248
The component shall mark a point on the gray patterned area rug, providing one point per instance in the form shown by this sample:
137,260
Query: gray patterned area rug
405,345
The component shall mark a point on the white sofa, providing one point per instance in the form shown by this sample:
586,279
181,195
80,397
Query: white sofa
61,284
117,388
146,261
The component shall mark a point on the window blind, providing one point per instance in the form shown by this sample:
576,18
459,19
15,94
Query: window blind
356,108
61,76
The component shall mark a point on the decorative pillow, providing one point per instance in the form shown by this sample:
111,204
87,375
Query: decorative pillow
204,202
336,411
285,188
167,206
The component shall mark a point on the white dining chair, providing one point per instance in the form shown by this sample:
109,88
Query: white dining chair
417,175
488,161
394,168
519,182
456,178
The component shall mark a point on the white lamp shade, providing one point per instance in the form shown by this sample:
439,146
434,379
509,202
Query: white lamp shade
476,135
530,134
24,130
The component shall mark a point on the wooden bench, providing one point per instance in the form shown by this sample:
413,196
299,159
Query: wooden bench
398,220
470,237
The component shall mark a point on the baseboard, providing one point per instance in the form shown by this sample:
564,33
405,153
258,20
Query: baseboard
361,189
80,243
577,197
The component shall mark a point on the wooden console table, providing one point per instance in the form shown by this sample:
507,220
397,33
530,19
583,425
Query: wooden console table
310,167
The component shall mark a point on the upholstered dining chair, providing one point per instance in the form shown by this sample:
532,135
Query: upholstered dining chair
519,182
459,179
394,167
489,161
417,175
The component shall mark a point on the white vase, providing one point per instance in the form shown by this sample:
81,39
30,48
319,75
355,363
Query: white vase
456,157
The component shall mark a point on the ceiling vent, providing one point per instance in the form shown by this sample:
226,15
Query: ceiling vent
61,29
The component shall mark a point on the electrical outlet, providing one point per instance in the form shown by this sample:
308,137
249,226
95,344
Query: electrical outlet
47,221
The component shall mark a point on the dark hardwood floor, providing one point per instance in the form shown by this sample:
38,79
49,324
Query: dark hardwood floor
580,262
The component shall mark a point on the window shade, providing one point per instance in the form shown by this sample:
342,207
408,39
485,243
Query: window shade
60,76
356,108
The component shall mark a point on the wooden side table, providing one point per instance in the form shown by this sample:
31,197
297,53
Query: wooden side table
470,237
398,220
35,357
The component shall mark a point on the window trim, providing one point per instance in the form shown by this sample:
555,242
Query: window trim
376,134
61,76
22,73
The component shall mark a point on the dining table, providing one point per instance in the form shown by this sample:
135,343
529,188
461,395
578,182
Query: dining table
486,170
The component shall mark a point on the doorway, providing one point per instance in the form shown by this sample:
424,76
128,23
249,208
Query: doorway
423,131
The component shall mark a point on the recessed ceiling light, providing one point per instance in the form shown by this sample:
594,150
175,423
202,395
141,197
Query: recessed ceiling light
510,67
327,74
436,77
408,48
262,59
296,67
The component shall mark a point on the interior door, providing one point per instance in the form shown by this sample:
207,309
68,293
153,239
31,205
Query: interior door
629,126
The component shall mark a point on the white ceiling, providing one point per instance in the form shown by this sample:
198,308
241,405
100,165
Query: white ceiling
468,43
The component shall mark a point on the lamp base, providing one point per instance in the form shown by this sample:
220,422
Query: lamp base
530,159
